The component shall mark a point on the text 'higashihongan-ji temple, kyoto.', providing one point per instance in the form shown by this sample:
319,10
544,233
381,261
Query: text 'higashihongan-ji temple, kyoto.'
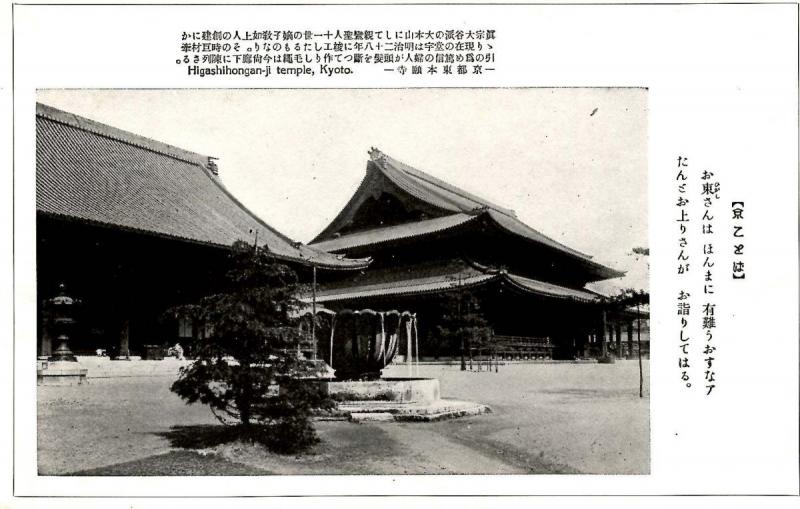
133,227
429,239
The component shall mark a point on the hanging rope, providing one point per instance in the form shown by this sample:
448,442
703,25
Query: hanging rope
382,340
409,351
333,328
416,341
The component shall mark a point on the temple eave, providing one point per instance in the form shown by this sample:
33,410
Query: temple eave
454,282
457,224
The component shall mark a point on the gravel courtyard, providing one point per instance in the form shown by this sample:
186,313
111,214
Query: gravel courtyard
547,418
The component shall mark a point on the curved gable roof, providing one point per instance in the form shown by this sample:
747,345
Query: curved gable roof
457,207
92,172
431,189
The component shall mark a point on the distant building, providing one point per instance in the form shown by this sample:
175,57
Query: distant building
132,227
429,239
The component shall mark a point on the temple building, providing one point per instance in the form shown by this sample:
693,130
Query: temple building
131,227
430,240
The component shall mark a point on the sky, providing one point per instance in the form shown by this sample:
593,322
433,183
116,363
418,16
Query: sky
572,162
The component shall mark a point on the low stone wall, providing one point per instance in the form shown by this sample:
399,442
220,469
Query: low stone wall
103,367
61,373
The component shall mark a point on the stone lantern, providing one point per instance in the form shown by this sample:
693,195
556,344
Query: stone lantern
63,309
62,367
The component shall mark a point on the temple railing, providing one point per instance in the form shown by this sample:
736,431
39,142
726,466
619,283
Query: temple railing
521,347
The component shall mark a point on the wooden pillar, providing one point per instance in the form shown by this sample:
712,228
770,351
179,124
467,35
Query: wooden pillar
630,339
124,340
579,340
603,344
46,345
46,348
618,327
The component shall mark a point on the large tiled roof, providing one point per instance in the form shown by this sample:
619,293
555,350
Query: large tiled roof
455,205
442,277
95,173
444,195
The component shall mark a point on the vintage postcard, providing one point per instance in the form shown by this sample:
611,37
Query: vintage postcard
385,249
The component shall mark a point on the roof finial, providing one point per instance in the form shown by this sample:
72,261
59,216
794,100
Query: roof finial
376,155
212,165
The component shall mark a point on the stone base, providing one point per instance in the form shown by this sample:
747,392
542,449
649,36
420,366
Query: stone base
393,399
395,390
371,417
361,411
61,373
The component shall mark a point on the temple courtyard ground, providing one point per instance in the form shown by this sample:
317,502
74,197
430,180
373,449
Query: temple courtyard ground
546,418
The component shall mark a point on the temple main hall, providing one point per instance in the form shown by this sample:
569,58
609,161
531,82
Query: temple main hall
430,240
132,227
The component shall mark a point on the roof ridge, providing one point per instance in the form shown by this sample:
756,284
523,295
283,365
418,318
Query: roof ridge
430,179
120,135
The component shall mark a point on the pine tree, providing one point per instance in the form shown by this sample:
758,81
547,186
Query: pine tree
247,365
463,326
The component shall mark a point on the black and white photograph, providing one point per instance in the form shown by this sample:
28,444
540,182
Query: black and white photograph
469,294
392,254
